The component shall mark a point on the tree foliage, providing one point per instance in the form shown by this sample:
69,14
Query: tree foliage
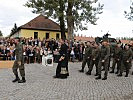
129,15
78,12
14,29
1,34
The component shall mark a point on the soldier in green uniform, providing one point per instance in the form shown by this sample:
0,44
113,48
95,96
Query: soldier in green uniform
131,46
19,63
104,59
126,60
87,56
117,58
94,59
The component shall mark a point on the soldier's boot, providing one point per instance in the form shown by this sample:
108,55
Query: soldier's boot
126,74
96,74
117,72
132,73
111,71
99,77
16,79
88,73
82,70
22,81
105,78
119,75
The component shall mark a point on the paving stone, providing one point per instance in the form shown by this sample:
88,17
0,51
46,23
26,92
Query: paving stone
40,85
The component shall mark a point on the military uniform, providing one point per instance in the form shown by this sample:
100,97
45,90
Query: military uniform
103,61
87,58
94,60
116,59
132,55
19,63
126,61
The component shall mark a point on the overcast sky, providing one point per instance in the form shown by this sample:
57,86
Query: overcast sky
112,19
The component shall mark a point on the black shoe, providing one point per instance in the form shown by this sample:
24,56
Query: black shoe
111,72
126,75
88,73
21,81
63,77
96,74
99,77
55,76
105,78
132,73
117,72
15,80
119,75
81,71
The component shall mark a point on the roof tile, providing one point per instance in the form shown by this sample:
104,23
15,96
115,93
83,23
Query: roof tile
41,22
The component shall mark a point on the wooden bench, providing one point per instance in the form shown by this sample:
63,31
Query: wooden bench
6,64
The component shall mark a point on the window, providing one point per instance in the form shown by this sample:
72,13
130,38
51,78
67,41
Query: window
47,35
35,35
57,36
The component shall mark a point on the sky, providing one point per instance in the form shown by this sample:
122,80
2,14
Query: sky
112,19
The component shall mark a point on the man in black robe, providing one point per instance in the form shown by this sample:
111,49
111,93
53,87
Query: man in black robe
62,67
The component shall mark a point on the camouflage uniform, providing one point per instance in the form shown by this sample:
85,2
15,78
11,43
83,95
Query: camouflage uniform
116,59
94,59
87,57
19,58
126,61
104,55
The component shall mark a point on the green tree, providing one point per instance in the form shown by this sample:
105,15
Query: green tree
1,34
73,12
129,15
14,29
80,12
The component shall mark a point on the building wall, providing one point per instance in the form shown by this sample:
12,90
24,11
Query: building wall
41,34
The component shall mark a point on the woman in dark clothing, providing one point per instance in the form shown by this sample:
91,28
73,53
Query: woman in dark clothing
37,55
62,67
31,54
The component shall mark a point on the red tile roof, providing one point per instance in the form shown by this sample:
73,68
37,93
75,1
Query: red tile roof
41,23
79,38
125,41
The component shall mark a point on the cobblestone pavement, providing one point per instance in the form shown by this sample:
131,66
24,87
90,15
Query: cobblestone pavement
40,85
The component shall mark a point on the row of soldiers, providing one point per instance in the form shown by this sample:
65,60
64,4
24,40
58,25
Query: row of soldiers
100,56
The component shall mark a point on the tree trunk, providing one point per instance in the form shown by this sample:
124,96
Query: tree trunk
61,19
70,20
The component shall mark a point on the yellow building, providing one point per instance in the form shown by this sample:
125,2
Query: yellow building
40,27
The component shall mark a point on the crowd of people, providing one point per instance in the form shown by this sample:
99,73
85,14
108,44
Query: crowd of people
34,49
92,53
